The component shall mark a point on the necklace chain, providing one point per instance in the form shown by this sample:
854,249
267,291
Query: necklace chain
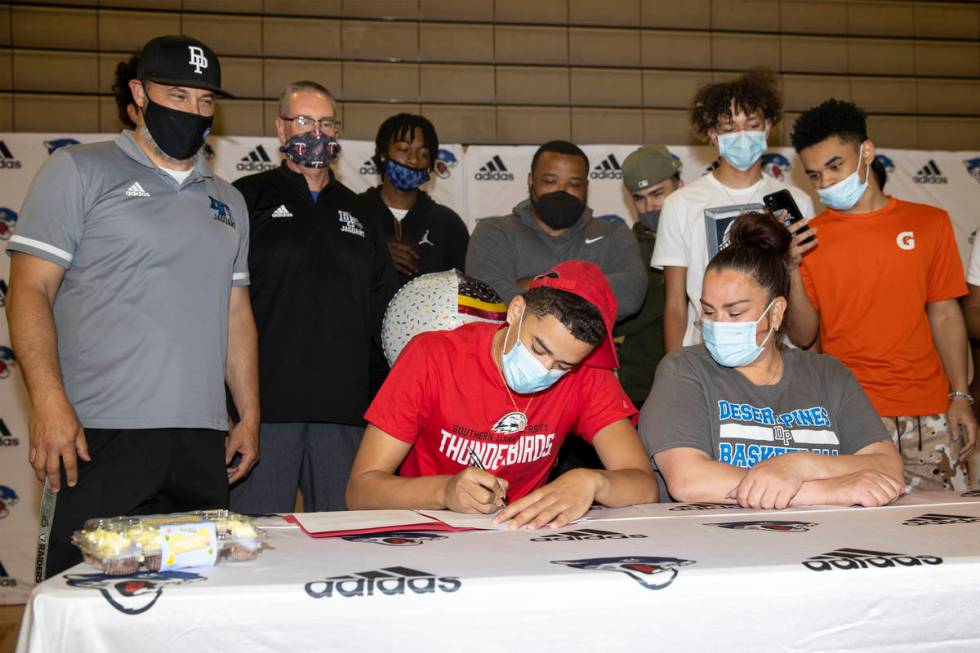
732,199
507,387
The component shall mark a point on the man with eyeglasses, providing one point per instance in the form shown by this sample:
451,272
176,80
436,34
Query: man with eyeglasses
129,313
321,279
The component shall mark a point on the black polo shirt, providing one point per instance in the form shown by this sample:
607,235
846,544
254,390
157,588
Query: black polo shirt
436,230
321,280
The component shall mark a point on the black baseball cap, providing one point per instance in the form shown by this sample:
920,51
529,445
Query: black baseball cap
181,61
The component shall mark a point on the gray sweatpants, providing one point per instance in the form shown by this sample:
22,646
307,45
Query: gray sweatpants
314,456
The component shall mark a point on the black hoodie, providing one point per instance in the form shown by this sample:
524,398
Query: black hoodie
436,230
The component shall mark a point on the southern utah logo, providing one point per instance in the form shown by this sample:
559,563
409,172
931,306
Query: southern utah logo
652,572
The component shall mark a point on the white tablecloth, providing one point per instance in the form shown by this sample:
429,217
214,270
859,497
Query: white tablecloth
659,577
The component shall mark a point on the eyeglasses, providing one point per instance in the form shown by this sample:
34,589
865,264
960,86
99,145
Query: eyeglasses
324,124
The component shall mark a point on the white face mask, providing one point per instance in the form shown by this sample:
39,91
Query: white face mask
847,192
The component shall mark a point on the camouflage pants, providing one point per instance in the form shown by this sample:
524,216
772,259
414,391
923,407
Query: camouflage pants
928,452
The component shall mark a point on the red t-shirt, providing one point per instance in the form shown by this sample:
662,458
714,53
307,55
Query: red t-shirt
445,394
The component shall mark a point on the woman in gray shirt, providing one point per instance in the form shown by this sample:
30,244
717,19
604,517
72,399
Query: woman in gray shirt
739,419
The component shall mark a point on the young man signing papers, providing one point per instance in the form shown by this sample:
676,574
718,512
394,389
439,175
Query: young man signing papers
505,399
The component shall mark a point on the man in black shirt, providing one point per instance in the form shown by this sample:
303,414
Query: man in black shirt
321,279
422,236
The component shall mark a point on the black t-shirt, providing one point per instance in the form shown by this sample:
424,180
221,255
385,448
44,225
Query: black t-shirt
321,280
437,231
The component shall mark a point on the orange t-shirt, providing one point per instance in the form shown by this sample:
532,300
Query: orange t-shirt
870,277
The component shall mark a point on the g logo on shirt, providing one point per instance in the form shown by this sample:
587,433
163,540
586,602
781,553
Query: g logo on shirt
906,240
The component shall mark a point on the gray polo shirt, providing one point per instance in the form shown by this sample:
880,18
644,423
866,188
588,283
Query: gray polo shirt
142,313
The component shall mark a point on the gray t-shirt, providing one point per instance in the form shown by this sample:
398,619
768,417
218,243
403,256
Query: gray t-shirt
142,313
817,406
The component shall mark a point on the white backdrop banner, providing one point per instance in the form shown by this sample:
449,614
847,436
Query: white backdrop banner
475,181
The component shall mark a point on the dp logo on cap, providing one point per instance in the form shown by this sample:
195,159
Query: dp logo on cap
198,60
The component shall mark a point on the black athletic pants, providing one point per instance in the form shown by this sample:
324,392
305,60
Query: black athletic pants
132,472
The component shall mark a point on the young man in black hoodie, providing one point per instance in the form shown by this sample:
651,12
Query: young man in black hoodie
422,236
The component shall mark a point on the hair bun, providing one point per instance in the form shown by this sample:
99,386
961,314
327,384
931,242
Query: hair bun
760,231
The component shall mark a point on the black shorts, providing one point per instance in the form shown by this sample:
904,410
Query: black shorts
132,472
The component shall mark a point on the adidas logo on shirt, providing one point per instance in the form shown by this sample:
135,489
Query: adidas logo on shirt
282,212
494,170
936,519
862,559
7,159
136,191
609,168
584,534
930,174
391,581
368,168
256,161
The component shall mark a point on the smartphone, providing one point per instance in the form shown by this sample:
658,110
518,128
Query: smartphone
782,200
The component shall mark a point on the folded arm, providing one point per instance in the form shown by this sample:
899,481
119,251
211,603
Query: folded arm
871,476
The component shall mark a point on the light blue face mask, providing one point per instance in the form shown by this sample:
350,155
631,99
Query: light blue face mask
742,149
843,195
523,371
732,344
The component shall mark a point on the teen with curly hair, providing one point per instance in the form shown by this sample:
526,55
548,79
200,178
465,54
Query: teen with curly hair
735,116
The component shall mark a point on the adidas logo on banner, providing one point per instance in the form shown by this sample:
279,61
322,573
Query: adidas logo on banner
608,169
930,174
368,168
391,581
136,191
256,161
494,170
7,159
584,534
935,519
5,579
282,212
862,559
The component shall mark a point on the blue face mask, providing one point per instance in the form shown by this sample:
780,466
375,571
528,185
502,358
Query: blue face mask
843,195
404,178
732,344
523,371
742,149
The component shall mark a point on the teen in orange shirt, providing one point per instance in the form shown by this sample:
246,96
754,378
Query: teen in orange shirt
880,287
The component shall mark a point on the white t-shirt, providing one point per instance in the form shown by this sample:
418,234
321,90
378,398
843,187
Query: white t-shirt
399,213
973,269
682,239
178,175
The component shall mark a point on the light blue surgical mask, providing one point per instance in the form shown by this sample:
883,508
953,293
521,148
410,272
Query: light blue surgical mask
742,149
843,195
523,371
732,344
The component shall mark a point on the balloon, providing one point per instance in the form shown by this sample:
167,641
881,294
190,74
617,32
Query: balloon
437,301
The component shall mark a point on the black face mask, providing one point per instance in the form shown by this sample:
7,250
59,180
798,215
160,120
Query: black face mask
650,219
178,134
558,209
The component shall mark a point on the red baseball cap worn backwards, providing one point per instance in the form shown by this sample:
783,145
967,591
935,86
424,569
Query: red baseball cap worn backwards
587,281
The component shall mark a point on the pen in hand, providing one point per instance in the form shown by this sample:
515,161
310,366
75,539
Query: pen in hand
476,462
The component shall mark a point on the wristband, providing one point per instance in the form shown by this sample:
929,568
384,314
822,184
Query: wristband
965,395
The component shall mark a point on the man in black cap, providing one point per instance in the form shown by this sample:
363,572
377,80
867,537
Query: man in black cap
129,311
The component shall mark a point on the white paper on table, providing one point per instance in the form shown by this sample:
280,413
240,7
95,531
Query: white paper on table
465,520
353,520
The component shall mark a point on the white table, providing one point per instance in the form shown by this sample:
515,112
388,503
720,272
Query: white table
671,578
